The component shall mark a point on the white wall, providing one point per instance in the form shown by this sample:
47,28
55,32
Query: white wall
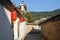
37,27
16,26
8,14
22,29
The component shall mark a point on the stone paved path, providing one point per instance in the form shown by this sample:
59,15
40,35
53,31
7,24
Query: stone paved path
34,35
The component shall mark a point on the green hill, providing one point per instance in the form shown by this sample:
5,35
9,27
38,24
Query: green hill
45,14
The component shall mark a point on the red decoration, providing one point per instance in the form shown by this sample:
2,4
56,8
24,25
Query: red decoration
13,15
21,19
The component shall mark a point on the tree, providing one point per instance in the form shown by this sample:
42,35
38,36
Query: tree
29,16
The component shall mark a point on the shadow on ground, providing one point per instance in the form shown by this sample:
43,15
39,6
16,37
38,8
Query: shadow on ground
34,35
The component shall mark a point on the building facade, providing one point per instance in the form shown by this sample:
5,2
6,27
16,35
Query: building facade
22,8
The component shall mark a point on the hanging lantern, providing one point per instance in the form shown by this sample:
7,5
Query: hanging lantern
13,15
21,19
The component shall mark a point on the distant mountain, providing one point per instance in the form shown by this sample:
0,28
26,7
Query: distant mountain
32,16
45,14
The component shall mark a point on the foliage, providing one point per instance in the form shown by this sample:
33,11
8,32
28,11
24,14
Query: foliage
29,16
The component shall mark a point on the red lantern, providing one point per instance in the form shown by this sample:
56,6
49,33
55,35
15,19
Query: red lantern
21,19
13,15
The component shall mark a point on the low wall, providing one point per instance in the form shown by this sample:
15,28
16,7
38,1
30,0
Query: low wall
51,30
29,28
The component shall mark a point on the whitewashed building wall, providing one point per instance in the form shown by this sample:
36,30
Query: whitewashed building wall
22,30
16,28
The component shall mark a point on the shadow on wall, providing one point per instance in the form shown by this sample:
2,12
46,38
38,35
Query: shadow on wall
5,26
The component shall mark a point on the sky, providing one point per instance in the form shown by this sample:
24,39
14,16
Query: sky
39,5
